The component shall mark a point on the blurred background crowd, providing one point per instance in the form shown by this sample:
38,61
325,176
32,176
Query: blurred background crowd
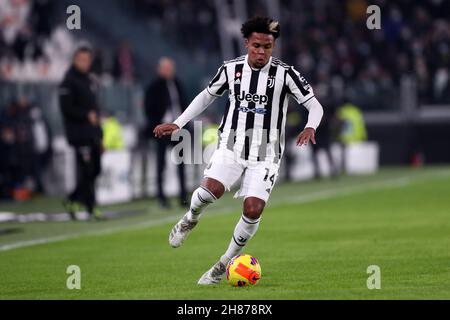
397,76
327,40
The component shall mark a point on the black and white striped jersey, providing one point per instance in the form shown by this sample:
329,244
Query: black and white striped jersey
253,125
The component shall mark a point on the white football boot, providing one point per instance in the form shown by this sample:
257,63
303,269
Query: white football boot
180,231
213,275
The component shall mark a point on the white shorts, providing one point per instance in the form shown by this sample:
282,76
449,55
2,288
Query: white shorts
258,177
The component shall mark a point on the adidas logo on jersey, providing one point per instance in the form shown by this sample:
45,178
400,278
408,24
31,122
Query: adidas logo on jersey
255,98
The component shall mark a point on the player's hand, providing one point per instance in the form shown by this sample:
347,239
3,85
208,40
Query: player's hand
165,129
309,134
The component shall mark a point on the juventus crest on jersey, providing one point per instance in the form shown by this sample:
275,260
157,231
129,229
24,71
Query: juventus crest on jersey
253,125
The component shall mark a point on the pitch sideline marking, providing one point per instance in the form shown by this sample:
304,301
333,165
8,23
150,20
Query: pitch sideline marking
314,196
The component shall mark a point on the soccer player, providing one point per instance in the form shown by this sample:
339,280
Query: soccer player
251,135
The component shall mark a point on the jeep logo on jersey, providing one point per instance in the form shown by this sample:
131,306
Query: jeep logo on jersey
255,98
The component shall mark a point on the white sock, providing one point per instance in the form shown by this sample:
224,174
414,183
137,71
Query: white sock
201,198
244,231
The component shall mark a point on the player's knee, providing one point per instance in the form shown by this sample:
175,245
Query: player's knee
253,208
214,186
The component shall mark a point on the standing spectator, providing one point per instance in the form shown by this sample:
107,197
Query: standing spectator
324,140
81,119
352,127
164,102
124,68
293,121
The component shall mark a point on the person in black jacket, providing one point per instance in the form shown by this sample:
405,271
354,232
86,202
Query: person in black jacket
164,102
77,94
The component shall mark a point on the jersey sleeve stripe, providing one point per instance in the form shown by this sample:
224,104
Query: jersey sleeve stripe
297,82
308,99
214,95
217,76
225,86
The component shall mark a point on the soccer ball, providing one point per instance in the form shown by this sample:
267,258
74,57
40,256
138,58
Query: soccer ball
243,270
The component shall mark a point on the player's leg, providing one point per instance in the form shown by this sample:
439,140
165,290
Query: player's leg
219,176
258,182
209,191
85,189
73,201
256,187
95,170
245,229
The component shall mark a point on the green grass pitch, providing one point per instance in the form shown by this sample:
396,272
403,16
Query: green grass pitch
315,241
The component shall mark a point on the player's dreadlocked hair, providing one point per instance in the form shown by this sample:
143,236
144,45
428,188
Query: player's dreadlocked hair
261,25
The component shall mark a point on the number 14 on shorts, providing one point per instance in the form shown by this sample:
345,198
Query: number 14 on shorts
272,177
